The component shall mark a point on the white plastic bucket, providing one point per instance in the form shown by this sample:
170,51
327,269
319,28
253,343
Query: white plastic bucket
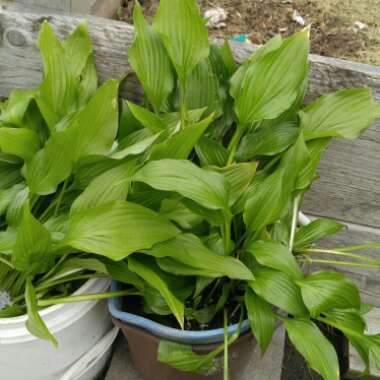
83,331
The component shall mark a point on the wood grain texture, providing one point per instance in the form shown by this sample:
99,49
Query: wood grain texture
104,8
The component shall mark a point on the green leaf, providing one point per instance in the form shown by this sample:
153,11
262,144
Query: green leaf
183,33
146,269
202,89
91,131
110,186
35,324
316,349
239,176
7,196
77,48
272,82
32,251
309,172
323,291
7,240
204,187
228,58
344,113
211,152
238,77
261,319
136,148
148,119
120,271
180,145
276,256
150,61
267,141
20,142
15,108
317,229
57,93
279,289
128,228
197,256
183,358
15,209
10,174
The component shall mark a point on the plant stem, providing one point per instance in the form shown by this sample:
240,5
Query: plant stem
234,144
87,297
294,222
359,247
7,263
183,103
226,370
52,270
64,186
227,235
339,253
343,263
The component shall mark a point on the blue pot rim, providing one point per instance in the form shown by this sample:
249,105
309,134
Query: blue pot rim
170,333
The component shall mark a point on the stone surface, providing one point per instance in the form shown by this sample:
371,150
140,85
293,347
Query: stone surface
266,368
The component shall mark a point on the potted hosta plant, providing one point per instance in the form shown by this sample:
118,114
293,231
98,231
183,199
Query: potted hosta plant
226,154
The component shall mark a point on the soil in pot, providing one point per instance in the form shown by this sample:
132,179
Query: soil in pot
143,348
294,366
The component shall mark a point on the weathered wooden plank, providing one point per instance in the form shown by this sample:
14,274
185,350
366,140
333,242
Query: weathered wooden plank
104,8
356,364
349,188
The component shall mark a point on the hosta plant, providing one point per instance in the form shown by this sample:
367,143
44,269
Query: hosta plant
190,198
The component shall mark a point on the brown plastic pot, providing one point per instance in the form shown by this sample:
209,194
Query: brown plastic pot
143,347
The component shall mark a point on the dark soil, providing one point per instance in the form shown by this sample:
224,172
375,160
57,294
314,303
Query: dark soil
332,33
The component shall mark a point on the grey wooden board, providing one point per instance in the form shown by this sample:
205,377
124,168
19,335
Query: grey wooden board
103,8
356,365
266,368
349,188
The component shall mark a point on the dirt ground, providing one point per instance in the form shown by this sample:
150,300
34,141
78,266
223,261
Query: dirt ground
334,32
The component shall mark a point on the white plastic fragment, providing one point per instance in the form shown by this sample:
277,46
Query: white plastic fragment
215,17
360,25
296,16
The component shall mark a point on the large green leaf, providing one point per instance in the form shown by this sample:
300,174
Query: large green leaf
272,82
35,324
344,113
7,196
324,291
120,271
110,186
188,249
316,230
271,196
202,89
267,141
77,49
118,229
32,251
184,34
180,145
202,186
91,131
261,319
15,210
148,270
279,289
57,93
238,77
20,142
276,256
316,349
150,61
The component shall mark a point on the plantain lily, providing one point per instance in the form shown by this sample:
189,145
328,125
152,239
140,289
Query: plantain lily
191,199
